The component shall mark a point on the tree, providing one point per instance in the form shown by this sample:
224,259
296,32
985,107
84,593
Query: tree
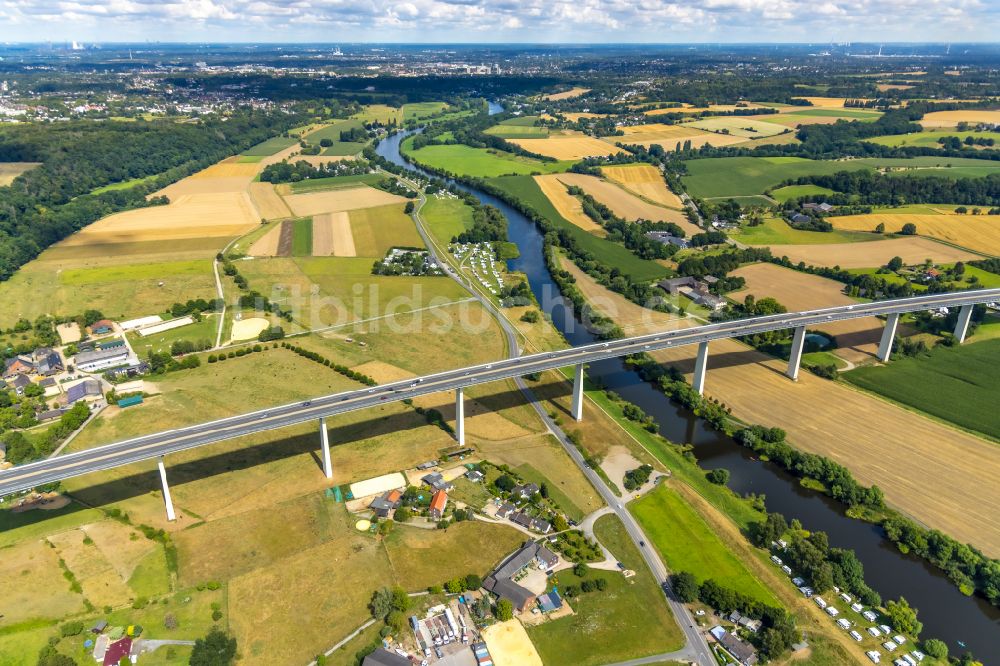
718,476
403,514
473,582
908,229
895,264
400,599
880,228
505,482
408,208
685,586
936,648
581,569
216,649
505,610
381,603
903,617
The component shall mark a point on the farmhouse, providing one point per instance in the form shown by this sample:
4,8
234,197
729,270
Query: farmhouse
47,361
744,652
101,327
383,504
438,503
19,383
92,361
500,581
668,239
818,207
525,491
19,365
475,475
505,510
703,297
436,481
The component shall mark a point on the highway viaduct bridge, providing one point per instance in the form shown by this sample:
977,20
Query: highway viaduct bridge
157,445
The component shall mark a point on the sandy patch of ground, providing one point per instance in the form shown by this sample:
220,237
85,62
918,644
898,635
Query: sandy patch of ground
248,329
334,201
43,501
616,462
644,180
980,233
625,204
952,118
226,214
567,205
801,291
69,332
568,147
332,235
911,250
509,645
942,477
269,204
267,245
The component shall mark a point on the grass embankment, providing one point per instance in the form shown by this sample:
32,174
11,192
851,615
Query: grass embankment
525,189
687,543
628,620
955,384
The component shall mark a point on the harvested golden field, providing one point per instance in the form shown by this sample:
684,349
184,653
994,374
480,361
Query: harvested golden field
940,476
567,94
568,147
668,136
575,117
222,215
268,203
644,180
34,587
801,291
567,205
11,170
332,235
226,176
911,250
714,108
952,118
624,203
335,201
980,233
267,245
822,103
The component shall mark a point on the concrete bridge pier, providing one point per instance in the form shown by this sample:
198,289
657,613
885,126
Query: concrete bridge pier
324,438
700,366
166,491
795,359
578,393
459,416
962,325
888,335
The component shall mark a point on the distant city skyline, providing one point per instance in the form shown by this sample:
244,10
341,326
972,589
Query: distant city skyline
480,21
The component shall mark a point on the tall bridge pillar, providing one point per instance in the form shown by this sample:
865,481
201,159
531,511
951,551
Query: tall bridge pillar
578,393
962,325
795,358
700,366
166,491
324,438
459,416
888,335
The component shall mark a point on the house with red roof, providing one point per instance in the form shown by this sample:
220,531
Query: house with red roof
438,503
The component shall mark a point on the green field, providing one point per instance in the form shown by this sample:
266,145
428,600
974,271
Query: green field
377,229
783,194
344,148
334,182
446,217
200,330
744,176
79,277
521,121
930,139
302,237
954,384
269,147
479,162
955,167
687,543
508,130
333,130
628,620
419,110
526,189
774,231
125,184
853,114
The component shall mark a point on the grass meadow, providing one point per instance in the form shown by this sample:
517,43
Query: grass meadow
377,229
929,139
774,231
687,543
334,183
745,176
446,218
479,162
953,384
783,194
302,236
269,147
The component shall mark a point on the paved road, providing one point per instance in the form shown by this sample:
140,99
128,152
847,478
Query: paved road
161,443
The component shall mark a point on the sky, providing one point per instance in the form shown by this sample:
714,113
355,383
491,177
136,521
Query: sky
484,21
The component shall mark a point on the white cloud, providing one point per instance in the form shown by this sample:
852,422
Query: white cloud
500,20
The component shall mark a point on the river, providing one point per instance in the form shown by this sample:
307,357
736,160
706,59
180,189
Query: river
946,613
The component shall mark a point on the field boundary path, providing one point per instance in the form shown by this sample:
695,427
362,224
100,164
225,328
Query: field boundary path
344,640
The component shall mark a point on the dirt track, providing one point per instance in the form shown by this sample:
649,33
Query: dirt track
285,239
